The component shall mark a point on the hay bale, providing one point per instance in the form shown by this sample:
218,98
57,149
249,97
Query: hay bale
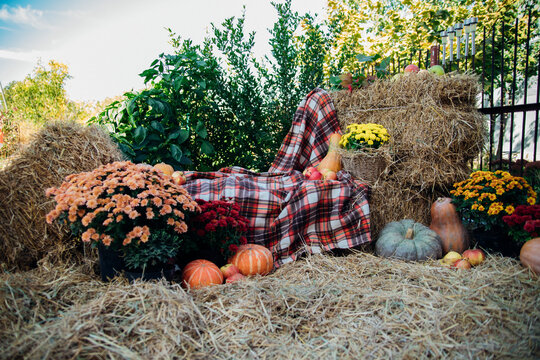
435,129
322,307
58,150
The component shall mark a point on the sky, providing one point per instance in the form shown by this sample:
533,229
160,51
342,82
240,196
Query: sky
107,43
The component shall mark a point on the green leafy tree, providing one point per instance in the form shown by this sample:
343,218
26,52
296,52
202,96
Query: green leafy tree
41,96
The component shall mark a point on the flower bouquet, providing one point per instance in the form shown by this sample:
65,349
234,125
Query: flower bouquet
363,154
130,208
215,232
486,197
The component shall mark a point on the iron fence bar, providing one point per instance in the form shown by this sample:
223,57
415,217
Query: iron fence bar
513,101
537,101
502,117
482,80
528,52
510,108
491,96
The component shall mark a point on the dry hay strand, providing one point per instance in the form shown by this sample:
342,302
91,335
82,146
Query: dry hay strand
57,150
355,306
434,126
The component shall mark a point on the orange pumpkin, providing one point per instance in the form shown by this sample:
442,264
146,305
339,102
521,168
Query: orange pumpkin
166,168
332,160
530,255
446,223
253,259
199,273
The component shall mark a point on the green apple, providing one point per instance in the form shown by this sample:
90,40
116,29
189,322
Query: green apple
436,69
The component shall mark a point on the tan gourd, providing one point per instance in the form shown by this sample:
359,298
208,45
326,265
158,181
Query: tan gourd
446,223
332,160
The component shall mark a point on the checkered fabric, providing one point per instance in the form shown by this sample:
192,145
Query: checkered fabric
289,214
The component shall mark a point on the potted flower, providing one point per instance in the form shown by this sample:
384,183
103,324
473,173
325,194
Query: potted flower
131,210
484,198
524,223
363,154
215,232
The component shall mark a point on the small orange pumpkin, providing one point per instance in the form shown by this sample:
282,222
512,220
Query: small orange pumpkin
253,259
530,255
332,160
199,273
166,168
446,223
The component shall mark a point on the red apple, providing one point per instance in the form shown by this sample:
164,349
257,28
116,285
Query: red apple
315,175
309,170
179,177
235,277
462,264
330,175
229,270
475,256
411,69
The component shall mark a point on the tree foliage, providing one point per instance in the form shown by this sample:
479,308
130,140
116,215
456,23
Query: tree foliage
41,96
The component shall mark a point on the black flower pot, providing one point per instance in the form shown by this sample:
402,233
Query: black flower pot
210,254
111,262
495,241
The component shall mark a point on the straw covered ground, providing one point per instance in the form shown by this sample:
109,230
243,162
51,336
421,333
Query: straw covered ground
357,306
59,149
435,131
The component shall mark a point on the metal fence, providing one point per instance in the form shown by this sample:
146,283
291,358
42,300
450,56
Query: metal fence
507,61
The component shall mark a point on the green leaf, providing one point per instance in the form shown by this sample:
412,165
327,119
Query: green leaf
178,82
365,58
181,135
335,80
200,129
139,134
158,127
186,161
126,149
207,148
202,84
131,106
176,152
154,138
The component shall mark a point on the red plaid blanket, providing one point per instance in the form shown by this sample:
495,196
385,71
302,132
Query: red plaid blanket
289,214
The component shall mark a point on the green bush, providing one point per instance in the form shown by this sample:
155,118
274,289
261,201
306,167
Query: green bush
214,105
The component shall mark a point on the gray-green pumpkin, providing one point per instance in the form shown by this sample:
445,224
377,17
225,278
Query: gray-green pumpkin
408,240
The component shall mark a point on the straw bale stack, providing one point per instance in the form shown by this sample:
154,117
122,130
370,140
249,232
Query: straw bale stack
435,132
59,149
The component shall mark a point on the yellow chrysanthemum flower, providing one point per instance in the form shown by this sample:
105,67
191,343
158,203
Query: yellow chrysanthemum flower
509,209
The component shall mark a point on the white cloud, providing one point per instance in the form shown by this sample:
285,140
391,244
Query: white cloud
27,56
23,15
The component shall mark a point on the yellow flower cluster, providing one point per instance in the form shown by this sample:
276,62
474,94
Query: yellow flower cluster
360,136
493,192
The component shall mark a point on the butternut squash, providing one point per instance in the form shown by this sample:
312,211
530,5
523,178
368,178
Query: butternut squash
446,223
332,160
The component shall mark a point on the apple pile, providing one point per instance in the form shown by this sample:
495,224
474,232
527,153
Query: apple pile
467,260
312,173
413,69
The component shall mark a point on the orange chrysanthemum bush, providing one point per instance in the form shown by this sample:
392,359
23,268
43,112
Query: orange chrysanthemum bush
487,196
128,207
